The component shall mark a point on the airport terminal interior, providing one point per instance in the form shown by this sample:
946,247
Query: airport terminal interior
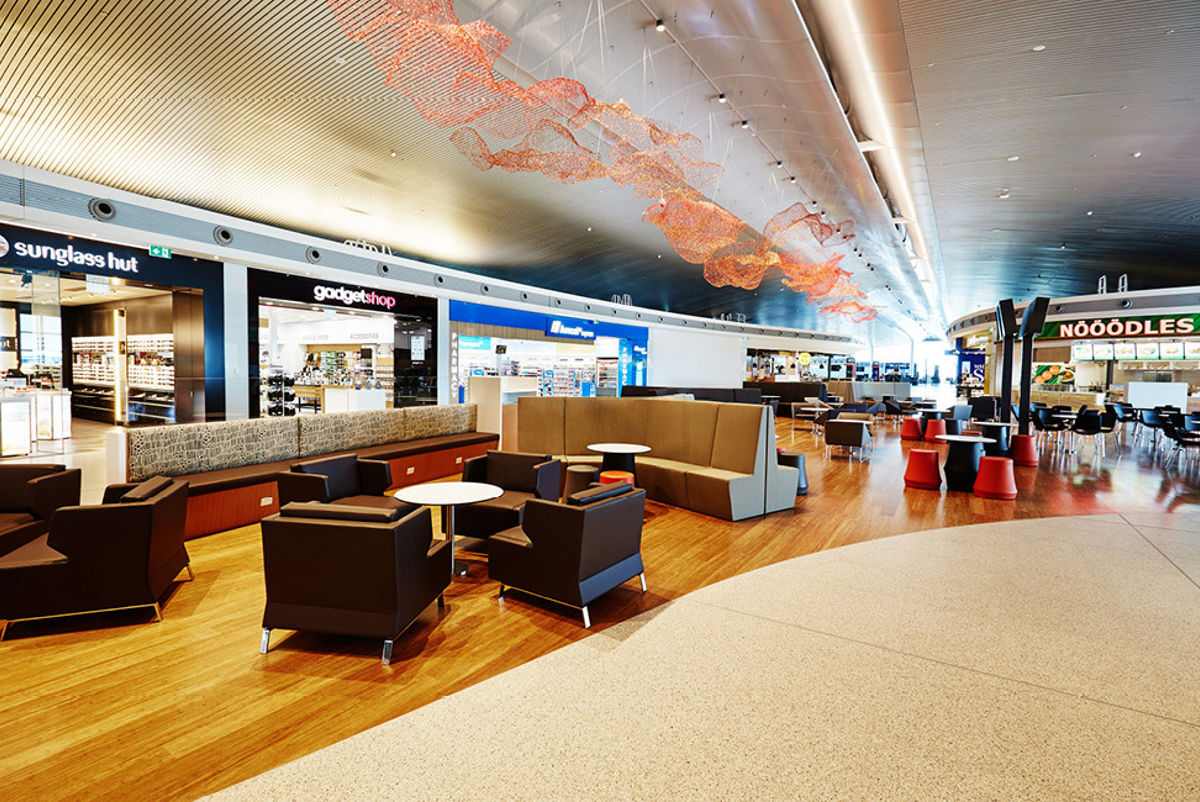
599,399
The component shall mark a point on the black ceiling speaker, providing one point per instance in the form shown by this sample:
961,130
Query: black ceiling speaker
1035,316
312,255
382,269
1006,319
222,235
102,209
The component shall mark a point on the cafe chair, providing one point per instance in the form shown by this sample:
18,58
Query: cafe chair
573,553
1183,442
29,495
848,435
1050,427
523,477
359,571
1148,419
1088,424
121,554
347,480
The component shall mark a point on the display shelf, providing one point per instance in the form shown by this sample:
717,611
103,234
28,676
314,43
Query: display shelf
94,359
151,361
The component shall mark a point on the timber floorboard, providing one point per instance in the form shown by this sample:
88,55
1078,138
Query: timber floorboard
114,705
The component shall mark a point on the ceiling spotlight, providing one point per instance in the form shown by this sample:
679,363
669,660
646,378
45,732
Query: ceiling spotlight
721,98
745,123
393,154
1013,158
1137,154
1038,48
339,60
589,228
1003,195
792,179
660,26
1088,212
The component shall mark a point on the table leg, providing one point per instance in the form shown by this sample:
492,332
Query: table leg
456,568
617,462
1000,447
962,466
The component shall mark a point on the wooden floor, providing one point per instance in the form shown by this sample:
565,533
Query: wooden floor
117,706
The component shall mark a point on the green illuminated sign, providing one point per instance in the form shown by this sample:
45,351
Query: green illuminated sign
1149,326
160,251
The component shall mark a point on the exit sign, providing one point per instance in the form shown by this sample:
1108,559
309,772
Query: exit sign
160,251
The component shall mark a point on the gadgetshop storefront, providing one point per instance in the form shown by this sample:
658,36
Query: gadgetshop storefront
122,335
325,346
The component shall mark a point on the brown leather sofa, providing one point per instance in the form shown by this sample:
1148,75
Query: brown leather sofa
575,552
349,481
359,571
715,458
121,554
522,477
29,495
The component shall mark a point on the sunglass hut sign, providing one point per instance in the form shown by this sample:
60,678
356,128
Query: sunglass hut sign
1156,326
67,257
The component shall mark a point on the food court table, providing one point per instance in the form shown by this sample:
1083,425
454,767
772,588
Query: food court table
448,495
618,456
999,431
962,463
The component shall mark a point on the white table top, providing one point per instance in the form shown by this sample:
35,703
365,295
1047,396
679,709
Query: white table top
994,423
618,448
964,438
440,494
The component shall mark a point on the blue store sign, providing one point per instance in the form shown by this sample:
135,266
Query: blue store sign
570,329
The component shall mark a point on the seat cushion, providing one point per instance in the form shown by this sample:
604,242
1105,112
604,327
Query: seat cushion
14,520
663,479
377,502
724,494
230,478
339,512
34,553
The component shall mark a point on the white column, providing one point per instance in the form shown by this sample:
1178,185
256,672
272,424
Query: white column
237,343
444,379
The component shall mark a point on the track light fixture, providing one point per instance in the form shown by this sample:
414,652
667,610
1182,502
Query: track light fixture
721,98
660,26
745,123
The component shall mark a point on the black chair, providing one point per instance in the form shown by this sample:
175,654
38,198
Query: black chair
1050,426
29,495
361,571
1125,415
1184,443
521,476
1152,420
346,480
1192,422
1108,419
575,552
1088,424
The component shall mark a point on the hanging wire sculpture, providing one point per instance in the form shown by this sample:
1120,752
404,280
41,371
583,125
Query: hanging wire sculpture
447,70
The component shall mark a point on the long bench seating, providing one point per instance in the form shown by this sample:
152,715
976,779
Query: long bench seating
231,466
714,458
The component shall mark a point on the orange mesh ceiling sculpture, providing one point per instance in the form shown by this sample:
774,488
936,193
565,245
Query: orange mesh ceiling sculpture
446,69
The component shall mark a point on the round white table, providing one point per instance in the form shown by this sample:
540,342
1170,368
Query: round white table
448,495
618,456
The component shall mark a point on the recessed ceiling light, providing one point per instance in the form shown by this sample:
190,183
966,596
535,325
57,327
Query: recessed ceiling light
721,98
1088,212
1038,48
1124,106
745,123
660,256
589,228
1168,31
660,25
792,179
393,154
995,230
1093,155
339,60
1013,158
1002,195
1137,154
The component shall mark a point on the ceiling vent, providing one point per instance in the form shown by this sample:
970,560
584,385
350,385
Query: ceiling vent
312,255
102,209
222,235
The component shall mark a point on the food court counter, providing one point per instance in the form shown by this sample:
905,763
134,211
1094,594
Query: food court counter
1061,398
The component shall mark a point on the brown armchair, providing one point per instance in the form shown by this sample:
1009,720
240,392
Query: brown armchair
573,553
29,495
118,555
347,570
347,480
522,476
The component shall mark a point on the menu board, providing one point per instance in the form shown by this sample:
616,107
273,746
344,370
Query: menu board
1124,351
1147,350
1171,350
1081,352
1105,351
1191,350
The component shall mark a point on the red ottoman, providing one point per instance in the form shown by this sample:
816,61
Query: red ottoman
615,477
933,428
1024,450
923,471
910,429
995,478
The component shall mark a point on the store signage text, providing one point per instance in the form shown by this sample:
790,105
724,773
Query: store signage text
1121,327
323,292
69,256
571,329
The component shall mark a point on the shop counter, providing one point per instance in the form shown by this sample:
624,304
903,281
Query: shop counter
1062,398
53,414
347,399
17,434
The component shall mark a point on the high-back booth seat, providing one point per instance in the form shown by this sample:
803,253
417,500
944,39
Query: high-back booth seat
573,552
29,495
232,467
520,475
717,459
120,554
348,480
361,571
789,392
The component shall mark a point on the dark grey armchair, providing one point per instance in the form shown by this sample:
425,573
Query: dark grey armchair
573,553
347,480
849,434
522,476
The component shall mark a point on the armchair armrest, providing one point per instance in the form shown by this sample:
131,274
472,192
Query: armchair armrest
549,479
46,494
375,476
475,469
552,527
115,533
295,486
113,493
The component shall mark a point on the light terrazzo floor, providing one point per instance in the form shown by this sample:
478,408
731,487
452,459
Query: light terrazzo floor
1049,659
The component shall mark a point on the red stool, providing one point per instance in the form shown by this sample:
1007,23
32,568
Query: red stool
995,478
923,471
616,477
1024,450
933,428
910,429
973,433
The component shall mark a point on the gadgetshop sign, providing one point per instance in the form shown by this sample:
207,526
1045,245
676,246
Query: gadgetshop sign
33,249
350,297
1148,326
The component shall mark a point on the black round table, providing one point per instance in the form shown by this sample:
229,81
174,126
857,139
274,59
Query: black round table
794,459
962,462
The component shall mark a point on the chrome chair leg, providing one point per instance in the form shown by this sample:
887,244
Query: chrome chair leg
157,612
441,601
3,628
191,576
387,652
642,576
587,620
265,643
